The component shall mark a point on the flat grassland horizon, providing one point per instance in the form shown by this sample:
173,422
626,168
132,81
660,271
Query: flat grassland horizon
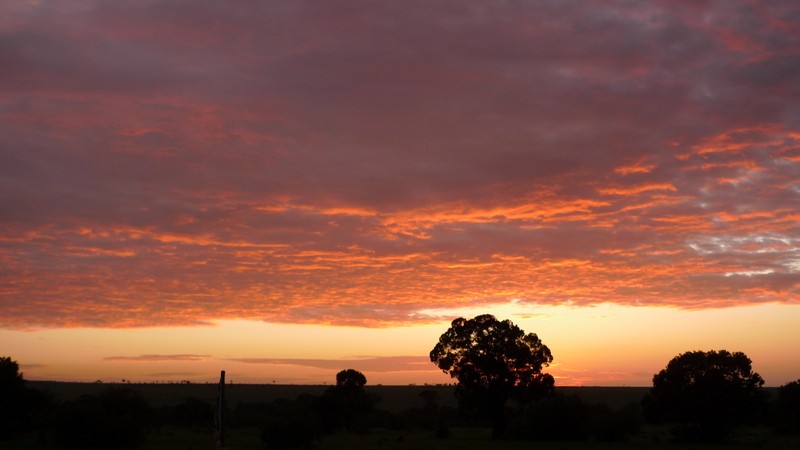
393,398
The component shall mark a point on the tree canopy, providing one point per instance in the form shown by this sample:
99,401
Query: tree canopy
17,401
491,359
706,393
350,378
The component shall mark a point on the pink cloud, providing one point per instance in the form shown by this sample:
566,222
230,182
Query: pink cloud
157,358
176,163
375,364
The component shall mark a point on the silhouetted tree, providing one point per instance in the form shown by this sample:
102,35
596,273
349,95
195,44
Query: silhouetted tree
351,379
347,404
13,410
492,360
789,407
707,394
20,406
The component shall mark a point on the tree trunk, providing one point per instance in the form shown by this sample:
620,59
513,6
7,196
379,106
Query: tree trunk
498,405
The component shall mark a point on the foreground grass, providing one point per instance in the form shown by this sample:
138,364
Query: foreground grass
480,439
392,398
461,439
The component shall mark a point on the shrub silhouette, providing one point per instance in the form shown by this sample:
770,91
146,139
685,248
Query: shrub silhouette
254,414
296,424
788,407
555,418
117,418
291,424
492,361
610,425
193,413
707,394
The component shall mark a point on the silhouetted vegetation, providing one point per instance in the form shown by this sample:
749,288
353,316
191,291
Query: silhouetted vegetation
117,418
685,399
192,413
22,409
706,395
347,405
292,424
493,360
788,408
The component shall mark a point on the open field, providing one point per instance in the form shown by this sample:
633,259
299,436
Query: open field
393,398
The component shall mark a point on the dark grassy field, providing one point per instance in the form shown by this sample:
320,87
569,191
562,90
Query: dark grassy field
393,398
461,439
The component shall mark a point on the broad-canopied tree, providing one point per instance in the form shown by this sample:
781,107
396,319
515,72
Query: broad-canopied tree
493,360
707,394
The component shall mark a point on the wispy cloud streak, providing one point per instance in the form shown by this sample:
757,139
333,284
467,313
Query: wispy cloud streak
375,364
157,358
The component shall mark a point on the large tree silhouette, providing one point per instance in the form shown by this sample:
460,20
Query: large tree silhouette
707,394
492,360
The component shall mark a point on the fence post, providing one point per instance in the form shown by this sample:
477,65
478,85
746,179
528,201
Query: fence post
219,414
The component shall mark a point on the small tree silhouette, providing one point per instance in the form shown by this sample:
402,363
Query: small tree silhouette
347,404
350,379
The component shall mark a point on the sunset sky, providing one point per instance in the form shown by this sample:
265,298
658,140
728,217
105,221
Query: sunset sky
283,190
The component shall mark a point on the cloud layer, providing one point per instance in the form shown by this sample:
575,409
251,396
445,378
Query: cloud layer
172,163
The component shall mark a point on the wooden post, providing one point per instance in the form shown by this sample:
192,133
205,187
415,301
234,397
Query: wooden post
219,415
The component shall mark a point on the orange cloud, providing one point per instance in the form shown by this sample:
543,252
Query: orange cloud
637,189
208,176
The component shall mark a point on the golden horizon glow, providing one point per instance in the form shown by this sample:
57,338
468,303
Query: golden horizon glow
607,345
